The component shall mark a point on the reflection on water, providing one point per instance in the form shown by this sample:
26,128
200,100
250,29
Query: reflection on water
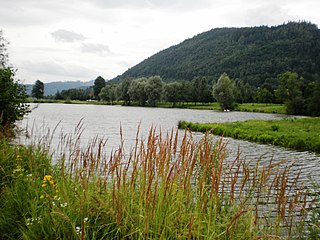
106,121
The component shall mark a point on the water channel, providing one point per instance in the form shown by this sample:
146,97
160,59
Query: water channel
106,121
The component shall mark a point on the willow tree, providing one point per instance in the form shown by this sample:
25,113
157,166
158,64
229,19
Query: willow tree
225,92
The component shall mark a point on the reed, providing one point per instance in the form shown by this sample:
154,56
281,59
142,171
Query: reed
160,188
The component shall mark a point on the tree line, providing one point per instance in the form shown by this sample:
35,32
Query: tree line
301,96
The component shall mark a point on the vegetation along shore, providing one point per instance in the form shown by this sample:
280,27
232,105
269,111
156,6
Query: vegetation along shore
296,133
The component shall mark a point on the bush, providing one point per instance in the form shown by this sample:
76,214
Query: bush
12,101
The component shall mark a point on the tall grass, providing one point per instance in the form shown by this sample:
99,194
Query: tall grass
162,188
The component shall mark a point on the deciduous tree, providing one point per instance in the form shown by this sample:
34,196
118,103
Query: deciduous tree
225,91
12,100
12,94
108,93
173,92
289,92
153,89
137,91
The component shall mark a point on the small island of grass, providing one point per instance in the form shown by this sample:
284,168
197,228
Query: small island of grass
301,134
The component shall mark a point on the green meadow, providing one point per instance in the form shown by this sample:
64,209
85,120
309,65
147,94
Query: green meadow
301,134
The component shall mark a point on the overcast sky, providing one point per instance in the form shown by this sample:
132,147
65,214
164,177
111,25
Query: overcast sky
59,40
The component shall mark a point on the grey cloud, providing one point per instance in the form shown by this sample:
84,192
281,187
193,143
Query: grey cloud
57,70
267,14
62,35
168,4
33,12
95,48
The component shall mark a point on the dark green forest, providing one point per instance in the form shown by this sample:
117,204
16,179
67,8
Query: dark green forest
256,55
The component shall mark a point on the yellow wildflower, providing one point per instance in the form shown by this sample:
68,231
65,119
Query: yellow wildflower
18,169
42,197
19,158
49,179
43,185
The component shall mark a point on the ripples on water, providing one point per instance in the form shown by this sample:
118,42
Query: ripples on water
105,121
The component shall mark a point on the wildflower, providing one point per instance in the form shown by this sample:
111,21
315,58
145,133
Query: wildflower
42,197
78,230
85,219
49,179
19,158
64,204
29,175
53,203
31,221
56,198
43,185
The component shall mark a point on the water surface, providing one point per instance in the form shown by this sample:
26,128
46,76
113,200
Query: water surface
105,121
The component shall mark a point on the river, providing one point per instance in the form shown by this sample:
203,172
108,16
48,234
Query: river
106,121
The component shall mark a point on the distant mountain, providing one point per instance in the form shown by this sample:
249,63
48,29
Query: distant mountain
52,87
254,54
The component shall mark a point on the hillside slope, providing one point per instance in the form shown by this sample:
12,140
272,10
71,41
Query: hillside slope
253,54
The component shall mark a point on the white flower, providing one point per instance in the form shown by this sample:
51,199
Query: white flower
64,204
78,230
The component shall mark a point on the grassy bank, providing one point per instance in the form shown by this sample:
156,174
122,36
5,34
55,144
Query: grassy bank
158,190
262,107
295,133
244,107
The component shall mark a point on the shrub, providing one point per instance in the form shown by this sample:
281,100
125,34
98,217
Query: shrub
12,101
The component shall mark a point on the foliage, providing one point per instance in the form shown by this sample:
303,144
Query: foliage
82,94
153,89
137,91
301,134
99,83
225,92
300,96
173,92
38,89
123,91
314,216
12,100
201,90
3,51
108,93
162,190
245,93
263,95
255,55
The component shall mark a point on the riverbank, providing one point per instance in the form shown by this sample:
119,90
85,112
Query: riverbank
244,107
295,133
165,190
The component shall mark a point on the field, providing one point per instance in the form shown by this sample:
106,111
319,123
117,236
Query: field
302,134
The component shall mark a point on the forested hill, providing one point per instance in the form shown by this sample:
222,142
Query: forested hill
253,54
